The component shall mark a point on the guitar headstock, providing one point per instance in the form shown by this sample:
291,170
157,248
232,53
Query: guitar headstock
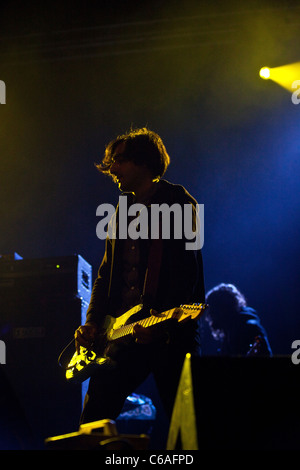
190,311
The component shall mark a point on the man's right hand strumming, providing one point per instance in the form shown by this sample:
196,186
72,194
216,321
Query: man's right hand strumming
85,335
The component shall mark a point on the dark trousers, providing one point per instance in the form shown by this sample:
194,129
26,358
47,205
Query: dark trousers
109,388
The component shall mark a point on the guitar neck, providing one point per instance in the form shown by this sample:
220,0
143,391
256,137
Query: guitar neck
127,330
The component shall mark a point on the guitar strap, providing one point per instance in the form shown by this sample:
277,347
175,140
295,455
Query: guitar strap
153,269
152,272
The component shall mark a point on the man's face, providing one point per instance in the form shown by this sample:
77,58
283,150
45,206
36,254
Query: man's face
128,175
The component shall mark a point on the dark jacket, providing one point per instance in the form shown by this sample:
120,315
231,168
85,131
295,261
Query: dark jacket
247,336
180,278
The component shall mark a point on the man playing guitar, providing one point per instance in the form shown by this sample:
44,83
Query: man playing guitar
159,274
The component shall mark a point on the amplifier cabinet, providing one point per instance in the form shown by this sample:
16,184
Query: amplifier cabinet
42,302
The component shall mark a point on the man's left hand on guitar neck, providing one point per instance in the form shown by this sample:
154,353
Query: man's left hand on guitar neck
144,335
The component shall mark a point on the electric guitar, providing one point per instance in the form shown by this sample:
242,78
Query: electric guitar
84,363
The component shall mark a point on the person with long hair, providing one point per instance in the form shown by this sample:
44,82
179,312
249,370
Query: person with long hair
235,325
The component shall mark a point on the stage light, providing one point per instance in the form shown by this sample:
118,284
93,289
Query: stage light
286,76
265,73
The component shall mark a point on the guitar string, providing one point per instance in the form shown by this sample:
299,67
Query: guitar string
149,321
128,329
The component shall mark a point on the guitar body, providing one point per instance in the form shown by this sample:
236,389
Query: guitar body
118,331
112,324
103,352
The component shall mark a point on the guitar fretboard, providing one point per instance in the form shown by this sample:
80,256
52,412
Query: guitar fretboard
145,322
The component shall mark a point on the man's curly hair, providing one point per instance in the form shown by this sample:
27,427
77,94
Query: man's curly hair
143,147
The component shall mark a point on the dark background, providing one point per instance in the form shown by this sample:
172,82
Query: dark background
79,73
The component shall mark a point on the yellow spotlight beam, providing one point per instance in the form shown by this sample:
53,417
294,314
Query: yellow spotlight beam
284,75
